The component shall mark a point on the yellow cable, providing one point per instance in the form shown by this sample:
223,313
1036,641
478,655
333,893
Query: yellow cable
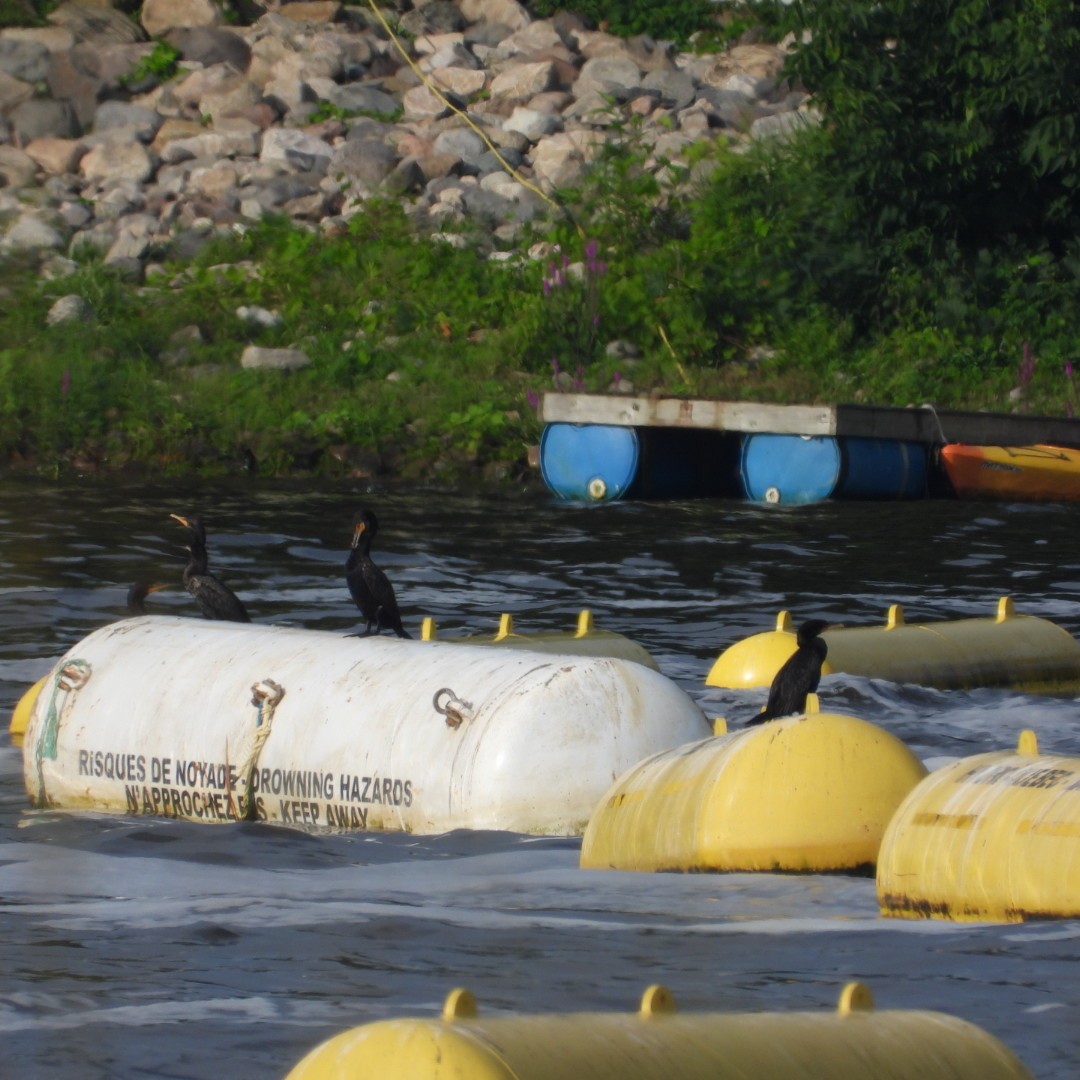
459,112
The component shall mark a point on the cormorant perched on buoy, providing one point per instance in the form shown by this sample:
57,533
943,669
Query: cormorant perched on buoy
370,587
215,600
799,675
137,594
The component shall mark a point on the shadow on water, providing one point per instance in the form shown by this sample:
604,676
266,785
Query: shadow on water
146,948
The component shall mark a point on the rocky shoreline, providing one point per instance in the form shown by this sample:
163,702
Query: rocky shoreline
470,111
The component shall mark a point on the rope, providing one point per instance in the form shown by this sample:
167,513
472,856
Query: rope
458,112
71,676
937,419
266,701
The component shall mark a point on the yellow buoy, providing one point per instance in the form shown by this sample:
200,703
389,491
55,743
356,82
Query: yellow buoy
20,715
810,793
658,1042
1018,651
990,837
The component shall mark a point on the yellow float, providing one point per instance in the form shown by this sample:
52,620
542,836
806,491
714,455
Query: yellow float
20,715
658,1042
584,640
991,837
1018,651
807,793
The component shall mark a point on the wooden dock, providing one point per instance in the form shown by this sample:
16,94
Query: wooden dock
924,424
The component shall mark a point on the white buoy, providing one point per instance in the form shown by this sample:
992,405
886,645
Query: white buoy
217,721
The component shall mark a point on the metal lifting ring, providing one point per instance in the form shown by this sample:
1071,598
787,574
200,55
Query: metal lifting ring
455,710
73,675
272,696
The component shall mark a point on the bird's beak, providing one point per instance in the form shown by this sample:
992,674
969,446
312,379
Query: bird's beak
157,587
183,521
357,533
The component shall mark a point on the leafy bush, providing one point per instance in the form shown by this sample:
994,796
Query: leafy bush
953,120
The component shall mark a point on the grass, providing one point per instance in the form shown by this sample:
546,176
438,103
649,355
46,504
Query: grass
428,358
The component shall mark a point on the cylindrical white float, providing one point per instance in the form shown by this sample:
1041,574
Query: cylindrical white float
219,721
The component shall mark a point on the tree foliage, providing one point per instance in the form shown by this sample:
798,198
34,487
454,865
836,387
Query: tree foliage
954,120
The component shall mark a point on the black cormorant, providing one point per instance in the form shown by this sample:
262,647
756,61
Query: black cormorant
215,600
137,594
370,587
799,675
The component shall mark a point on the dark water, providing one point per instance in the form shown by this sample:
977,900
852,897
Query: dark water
145,948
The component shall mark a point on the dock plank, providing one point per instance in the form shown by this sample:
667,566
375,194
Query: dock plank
924,424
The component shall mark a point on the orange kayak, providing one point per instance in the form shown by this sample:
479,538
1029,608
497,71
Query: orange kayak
1027,473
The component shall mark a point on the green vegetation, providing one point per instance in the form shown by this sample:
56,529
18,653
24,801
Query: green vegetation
160,64
921,245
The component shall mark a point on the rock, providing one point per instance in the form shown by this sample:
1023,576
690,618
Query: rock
98,24
255,357
212,144
211,45
533,39
462,143
365,161
676,89
506,13
215,181
54,38
753,70
277,117
407,177
451,55
109,163
17,168
460,82
532,123
13,92
522,81
75,76
41,118
30,234
159,17
71,308
311,11
260,317
27,61
608,75
56,155
559,160
434,17
137,121
127,254
782,125
420,103
357,98
296,150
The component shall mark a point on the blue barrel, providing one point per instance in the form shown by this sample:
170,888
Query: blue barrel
882,469
602,462
789,469
792,469
589,462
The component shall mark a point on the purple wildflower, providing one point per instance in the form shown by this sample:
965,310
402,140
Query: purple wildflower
65,382
1068,370
533,398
